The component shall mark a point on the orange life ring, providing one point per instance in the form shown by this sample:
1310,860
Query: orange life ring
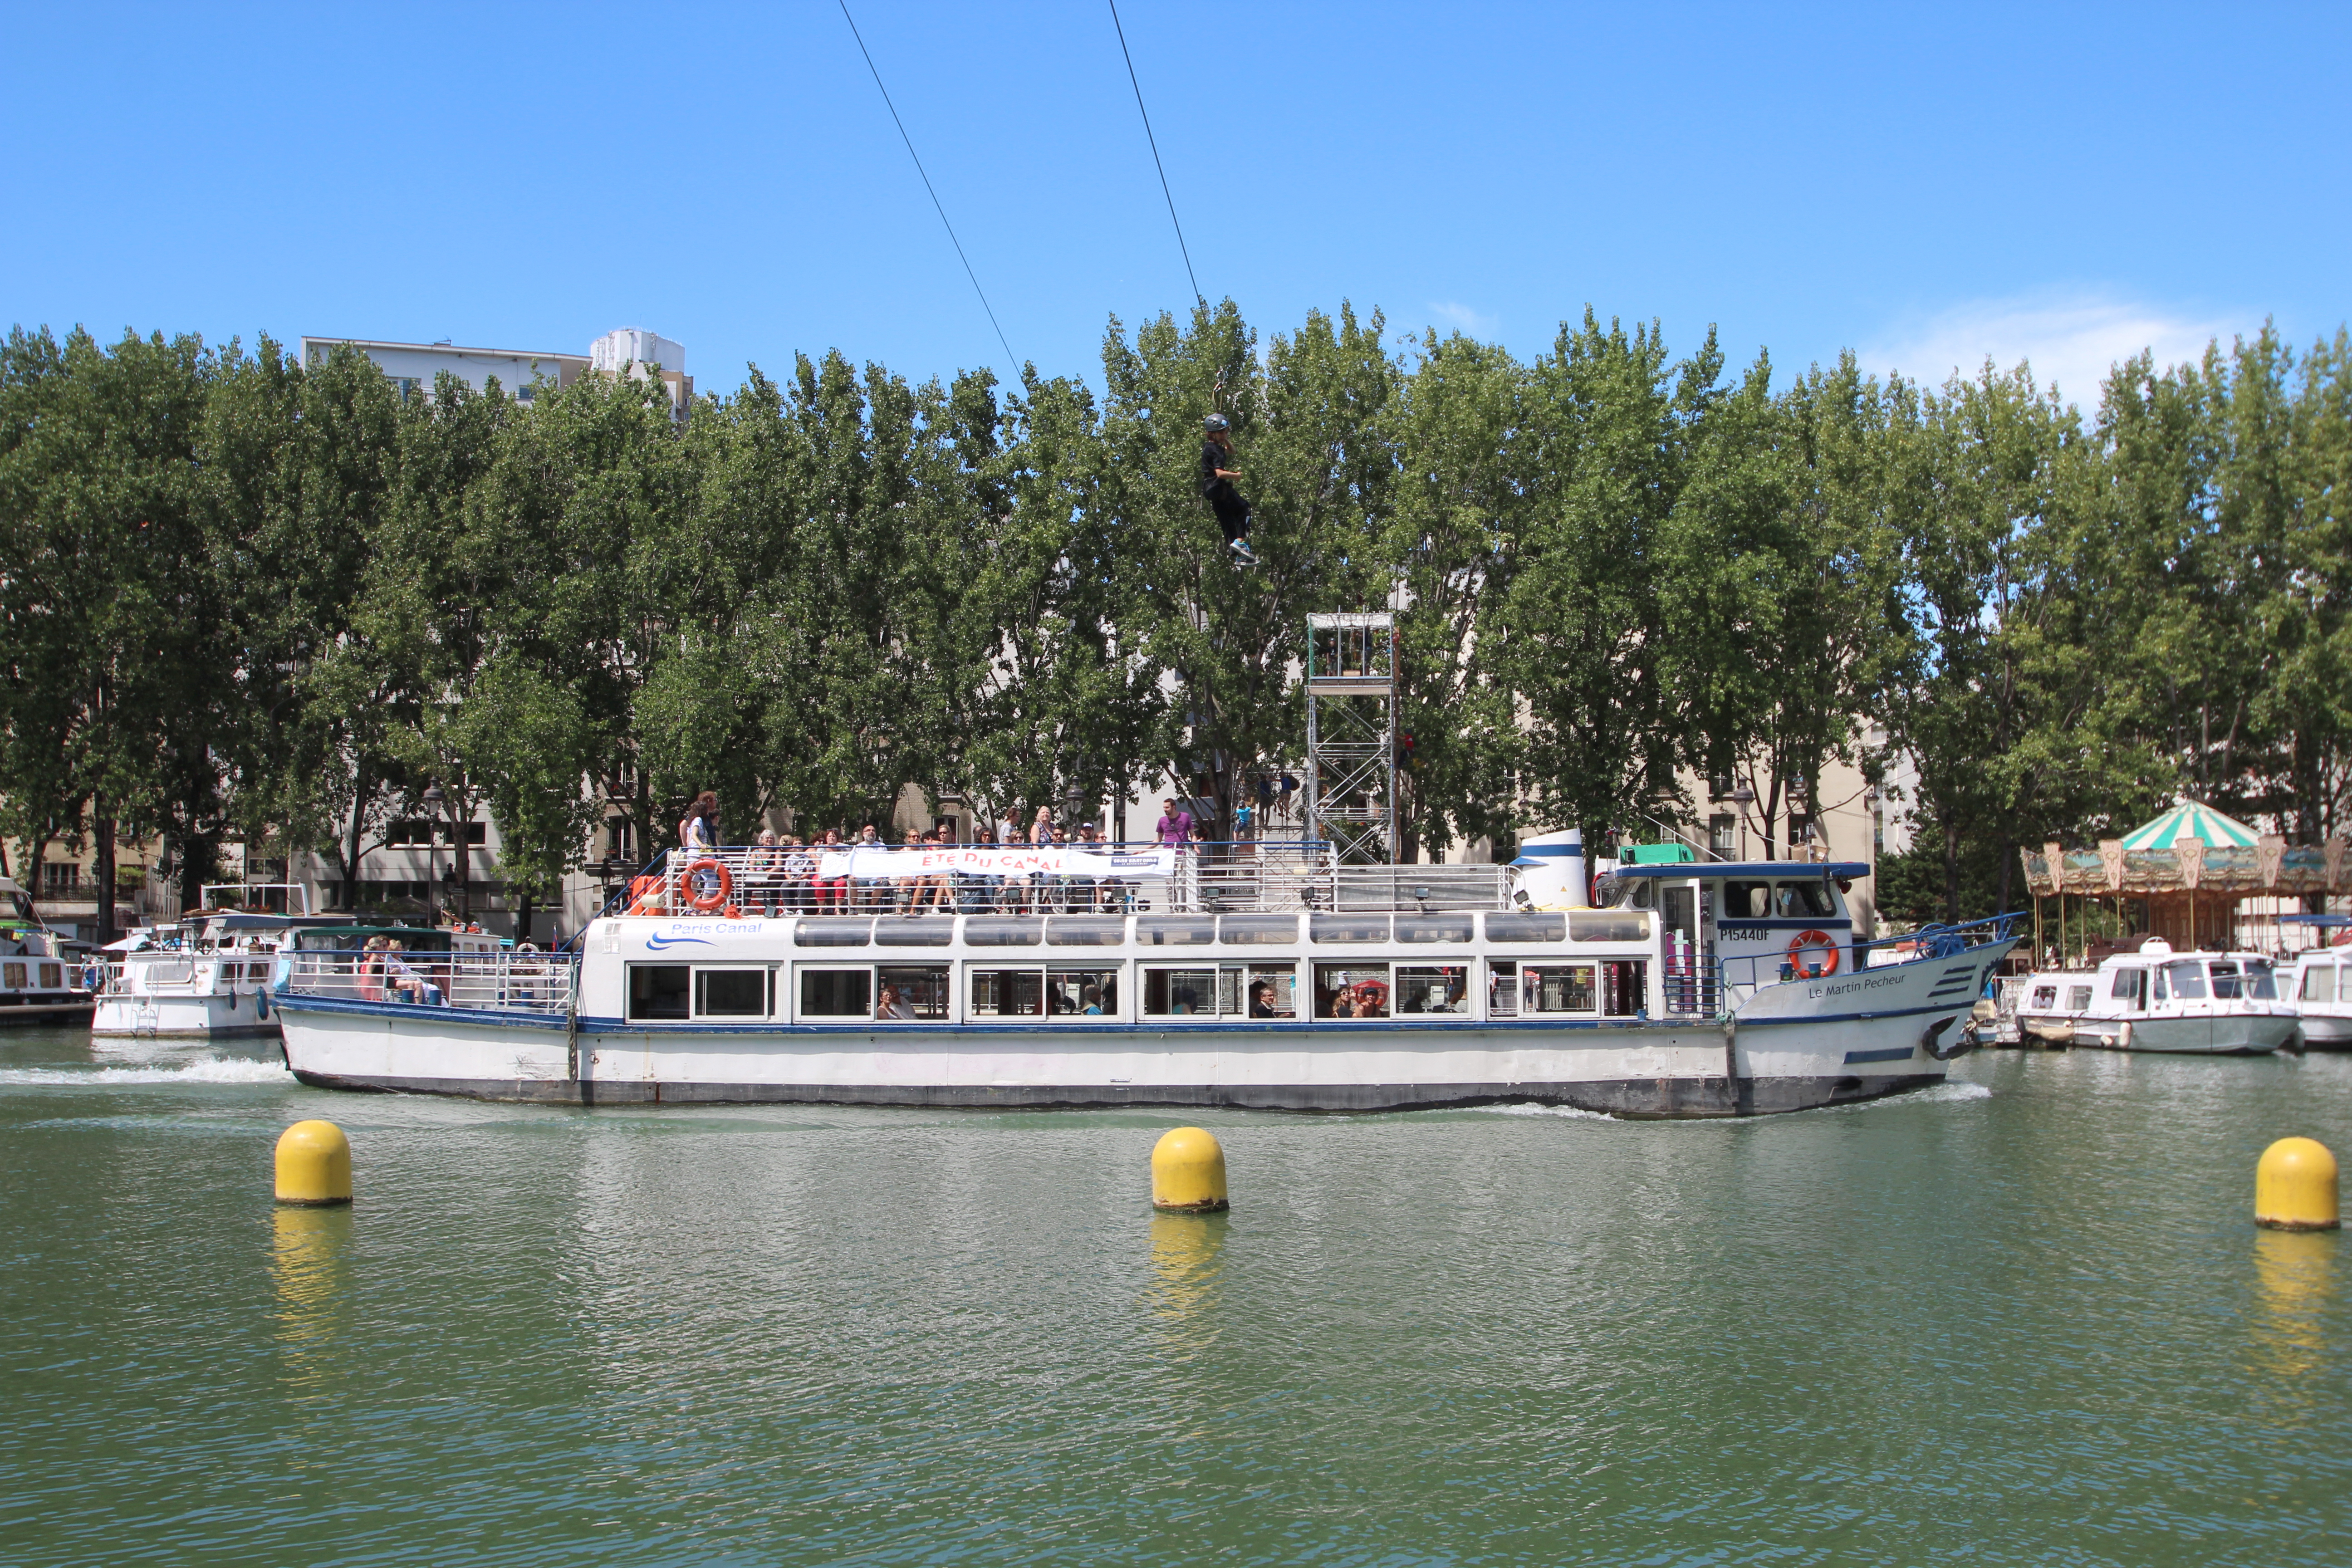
718,896
1805,939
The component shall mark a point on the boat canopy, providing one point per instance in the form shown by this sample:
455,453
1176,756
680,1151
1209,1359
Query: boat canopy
1846,870
347,938
2316,920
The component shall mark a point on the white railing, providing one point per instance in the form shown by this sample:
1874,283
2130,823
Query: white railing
1269,875
504,981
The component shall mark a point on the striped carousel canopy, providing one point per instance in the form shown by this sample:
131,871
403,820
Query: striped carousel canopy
2191,819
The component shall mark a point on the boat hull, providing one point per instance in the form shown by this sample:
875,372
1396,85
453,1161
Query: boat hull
2235,1035
1638,1070
45,1013
2326,1034
224,1017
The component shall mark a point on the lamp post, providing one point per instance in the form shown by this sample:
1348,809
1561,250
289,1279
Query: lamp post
1743,796
431,800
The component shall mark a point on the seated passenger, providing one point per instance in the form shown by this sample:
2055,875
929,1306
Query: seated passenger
1261,1000
1092,996
891,1005
1371,1000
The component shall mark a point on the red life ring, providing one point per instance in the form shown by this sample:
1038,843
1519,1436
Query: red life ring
719,895
1805,939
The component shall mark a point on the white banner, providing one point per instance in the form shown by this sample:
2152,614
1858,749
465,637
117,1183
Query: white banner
1011,860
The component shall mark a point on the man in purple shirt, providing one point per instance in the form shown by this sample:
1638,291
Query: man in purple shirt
1175,826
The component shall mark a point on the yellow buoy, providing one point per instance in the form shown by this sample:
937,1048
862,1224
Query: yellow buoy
314,1164
1187,1171
2295,1186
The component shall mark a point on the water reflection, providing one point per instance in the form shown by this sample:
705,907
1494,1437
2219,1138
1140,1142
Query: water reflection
1186,1272
2294,1280
306,1267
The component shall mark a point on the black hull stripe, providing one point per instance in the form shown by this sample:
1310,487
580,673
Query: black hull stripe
1634,1098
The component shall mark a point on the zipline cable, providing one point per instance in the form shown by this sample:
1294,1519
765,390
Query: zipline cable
1154,141
1010,358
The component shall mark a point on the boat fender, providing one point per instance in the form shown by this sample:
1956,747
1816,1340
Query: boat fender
2123,1036
1805,939
261,1006
722,890
1962,1043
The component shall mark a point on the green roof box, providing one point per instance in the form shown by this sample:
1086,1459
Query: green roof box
1657,854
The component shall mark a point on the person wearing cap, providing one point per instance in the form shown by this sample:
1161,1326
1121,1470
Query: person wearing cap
1217,487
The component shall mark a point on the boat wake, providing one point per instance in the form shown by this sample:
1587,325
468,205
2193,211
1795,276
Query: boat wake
1529,1108
213,1069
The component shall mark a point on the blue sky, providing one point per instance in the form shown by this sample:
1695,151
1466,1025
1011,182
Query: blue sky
1925,184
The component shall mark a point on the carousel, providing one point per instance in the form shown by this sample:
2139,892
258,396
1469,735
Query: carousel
2181,876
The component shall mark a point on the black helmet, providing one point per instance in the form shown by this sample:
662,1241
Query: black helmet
1217,422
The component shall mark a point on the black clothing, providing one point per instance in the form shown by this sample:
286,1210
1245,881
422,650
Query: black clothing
1233,513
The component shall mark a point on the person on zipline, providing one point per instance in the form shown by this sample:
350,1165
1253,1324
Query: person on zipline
1217,487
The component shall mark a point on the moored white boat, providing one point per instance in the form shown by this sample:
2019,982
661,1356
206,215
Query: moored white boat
2203,1004
1700,990
39,984
2320,984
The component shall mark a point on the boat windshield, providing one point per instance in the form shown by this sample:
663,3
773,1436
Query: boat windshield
2187,978
2260,984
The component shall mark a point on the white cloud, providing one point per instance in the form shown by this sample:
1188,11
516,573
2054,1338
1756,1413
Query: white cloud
1463,318
2071,341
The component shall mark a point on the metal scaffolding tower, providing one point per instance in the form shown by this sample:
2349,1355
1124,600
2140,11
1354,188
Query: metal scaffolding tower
1351,736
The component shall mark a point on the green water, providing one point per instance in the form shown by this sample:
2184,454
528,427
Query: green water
2028,1325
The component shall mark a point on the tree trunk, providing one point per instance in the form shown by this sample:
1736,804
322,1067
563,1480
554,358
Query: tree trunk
102,832
526,911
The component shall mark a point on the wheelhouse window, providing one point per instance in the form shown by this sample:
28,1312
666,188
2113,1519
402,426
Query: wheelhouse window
659,990
1351,991
2225,980
1804,900
2262,981
1433,988
2129,985
2188,979
731,993
2078,998
1747,901
2045,996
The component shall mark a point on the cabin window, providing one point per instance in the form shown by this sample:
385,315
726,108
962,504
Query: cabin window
914,991
1625,988
1176,931
2127,985
836,993
2078,998
731,993
916,931
53,976
1432,927
1275,931
999,931
2187,979
2225,981
2262,985
2319,982
2163,992
1433,988
1008,993
1805,901
1502,991
1610,925
12,976
1271,990
658,990
2045,996
1527,928
1082,992
1084,930
823,931
1558,988
1347,928
1351,990
2346,994
1191,992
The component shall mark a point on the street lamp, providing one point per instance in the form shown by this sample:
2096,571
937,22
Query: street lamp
431,800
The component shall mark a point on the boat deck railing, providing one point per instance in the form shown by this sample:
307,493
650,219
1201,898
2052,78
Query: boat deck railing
1265,876
504,981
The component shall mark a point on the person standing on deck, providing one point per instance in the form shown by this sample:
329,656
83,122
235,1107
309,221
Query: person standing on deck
1217,477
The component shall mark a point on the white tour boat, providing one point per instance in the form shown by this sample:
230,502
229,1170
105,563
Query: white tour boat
1262,976
2217,1004
205,975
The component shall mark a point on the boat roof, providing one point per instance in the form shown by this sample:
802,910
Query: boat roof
1848,869
2316,920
